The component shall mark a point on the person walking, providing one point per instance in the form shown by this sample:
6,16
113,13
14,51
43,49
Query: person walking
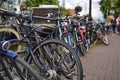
118,24
109,18
113,25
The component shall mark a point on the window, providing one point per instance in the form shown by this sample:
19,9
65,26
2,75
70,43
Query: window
19,1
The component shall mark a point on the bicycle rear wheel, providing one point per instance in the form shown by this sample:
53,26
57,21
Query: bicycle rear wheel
20,70
105,40
59,61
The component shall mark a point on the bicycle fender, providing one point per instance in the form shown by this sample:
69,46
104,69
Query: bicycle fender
10,54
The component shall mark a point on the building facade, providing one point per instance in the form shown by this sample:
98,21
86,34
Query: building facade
12,4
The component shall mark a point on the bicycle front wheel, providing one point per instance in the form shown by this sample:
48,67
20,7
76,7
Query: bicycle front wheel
19,70
59,60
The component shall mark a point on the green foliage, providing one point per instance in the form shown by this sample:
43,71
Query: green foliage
117,8
106,6
36,3
64,12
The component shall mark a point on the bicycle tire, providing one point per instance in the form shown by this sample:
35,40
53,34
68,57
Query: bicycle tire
82,47
105,40
86,44
18,68
78,63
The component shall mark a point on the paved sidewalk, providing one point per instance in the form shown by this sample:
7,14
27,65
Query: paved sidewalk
103,62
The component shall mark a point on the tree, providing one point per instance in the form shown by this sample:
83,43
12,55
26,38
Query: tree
117,7
36,3
64,12
107,5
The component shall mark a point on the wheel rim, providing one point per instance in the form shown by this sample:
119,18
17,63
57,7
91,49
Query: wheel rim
14,36
63,63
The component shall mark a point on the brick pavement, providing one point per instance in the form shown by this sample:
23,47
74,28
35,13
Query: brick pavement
103,62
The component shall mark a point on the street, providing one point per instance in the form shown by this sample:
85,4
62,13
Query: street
103,62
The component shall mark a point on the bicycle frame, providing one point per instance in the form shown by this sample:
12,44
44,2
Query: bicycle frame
6,53
26,37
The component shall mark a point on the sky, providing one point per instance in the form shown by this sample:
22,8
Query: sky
96,13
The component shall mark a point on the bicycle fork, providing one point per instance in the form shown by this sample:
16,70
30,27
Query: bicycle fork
69,39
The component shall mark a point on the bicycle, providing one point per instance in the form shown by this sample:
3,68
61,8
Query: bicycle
67,34
42,56
79,34
99,33
13,67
